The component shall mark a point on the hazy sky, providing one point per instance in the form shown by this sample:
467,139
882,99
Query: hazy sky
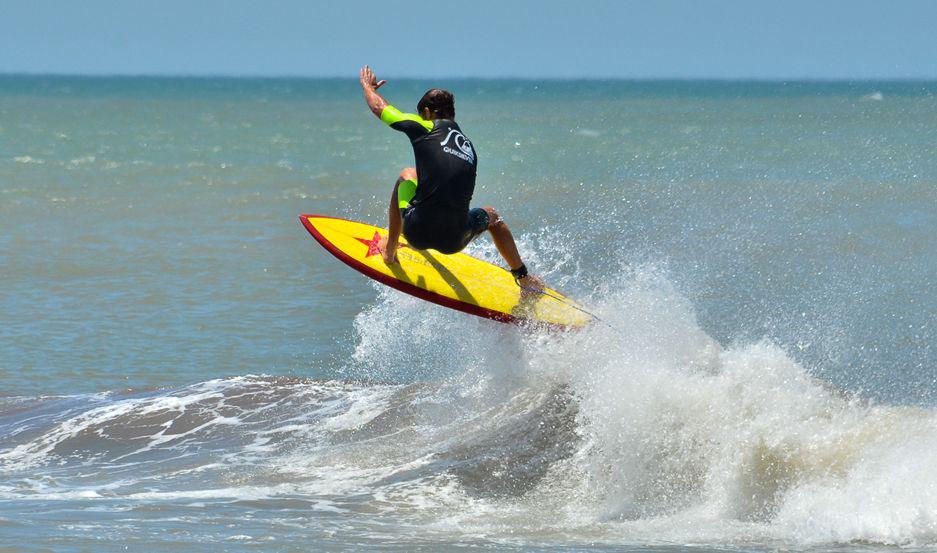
819,39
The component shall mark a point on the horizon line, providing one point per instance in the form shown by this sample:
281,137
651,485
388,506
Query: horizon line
232,76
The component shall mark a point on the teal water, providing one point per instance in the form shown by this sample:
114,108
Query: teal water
178,356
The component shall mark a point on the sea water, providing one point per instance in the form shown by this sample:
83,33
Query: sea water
182,368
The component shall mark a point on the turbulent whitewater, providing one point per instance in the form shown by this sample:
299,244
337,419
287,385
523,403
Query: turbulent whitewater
639,431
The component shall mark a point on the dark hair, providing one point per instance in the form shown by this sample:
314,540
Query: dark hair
439,101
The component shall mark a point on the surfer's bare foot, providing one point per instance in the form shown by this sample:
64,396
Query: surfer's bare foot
388,253
531,284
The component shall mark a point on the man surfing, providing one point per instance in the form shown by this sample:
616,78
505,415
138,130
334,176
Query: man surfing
430,203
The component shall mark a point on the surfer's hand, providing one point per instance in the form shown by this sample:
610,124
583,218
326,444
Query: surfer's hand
368,80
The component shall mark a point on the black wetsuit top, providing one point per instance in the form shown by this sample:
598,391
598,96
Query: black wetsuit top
438,214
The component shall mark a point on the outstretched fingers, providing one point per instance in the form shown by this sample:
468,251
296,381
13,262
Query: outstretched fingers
368,79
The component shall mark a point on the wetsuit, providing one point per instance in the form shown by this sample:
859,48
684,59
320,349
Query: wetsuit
435,207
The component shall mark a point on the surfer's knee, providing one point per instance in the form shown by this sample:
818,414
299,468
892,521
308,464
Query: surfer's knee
495,222
408,173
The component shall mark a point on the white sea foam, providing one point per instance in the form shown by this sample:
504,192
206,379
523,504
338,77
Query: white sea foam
676,426
673,437
684,440
28,160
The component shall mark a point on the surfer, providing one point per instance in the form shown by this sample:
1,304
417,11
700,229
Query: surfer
430,202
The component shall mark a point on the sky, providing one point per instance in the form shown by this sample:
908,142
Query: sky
728,39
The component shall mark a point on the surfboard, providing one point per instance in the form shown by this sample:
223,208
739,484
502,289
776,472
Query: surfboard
457,281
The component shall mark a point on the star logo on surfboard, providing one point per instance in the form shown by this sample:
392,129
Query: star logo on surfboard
373,244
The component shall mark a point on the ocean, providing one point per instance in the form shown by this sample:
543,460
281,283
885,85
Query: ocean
182,368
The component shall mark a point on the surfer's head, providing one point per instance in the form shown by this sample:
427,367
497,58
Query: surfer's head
436,104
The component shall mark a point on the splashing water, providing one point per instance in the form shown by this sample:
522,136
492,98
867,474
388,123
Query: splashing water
642,431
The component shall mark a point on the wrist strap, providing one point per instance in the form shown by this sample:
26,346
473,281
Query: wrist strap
519,273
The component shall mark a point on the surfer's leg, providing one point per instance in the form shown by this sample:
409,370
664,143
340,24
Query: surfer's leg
394,219
507,247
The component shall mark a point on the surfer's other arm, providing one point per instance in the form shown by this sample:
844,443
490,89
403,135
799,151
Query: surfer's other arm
414,126
370,84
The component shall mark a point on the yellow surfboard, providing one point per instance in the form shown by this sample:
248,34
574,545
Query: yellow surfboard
457,281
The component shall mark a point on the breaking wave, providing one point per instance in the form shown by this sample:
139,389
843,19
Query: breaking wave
637,430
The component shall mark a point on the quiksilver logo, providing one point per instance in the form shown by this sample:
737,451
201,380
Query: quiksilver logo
463,144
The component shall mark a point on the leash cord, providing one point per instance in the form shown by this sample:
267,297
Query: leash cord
563,301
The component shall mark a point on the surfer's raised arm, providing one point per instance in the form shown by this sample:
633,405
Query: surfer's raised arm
370,84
